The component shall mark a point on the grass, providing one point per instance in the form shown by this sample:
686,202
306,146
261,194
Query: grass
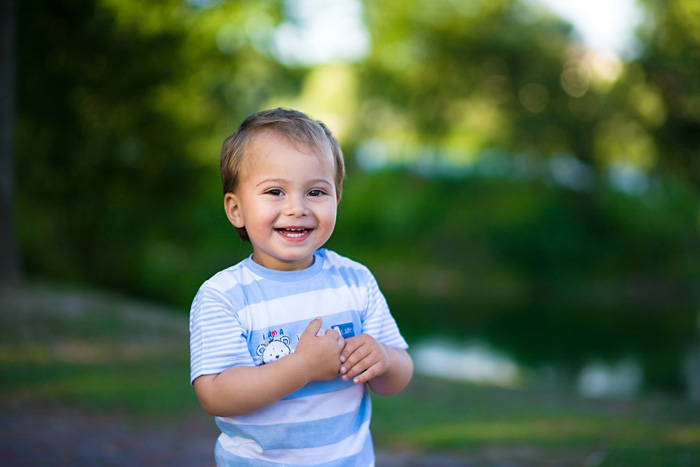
93,351
435,415
107,354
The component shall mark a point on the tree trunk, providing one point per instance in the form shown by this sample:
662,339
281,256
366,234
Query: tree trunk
9,258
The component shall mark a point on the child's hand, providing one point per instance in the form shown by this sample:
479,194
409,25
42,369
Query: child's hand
363,359
320,354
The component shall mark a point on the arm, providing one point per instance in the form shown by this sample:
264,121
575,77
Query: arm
387,370
246,389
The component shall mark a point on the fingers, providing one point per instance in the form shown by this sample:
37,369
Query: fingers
314,326
362,359
335,335
366,375
351,344
313,329
354,367
319,351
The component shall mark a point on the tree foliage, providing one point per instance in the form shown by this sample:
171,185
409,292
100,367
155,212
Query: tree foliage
466,77
117,107
667,70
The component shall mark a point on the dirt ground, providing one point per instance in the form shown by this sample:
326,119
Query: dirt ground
75,438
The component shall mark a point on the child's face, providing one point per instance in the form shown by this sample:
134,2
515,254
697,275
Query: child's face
286,200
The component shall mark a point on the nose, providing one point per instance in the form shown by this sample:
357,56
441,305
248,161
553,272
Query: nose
296,206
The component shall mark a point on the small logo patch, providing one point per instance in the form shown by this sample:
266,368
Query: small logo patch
346,330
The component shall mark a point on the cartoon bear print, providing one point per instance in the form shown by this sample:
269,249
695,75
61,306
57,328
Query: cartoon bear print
274,347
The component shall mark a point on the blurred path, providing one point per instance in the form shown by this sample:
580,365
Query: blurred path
71,437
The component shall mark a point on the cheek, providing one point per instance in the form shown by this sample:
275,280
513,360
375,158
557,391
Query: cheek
329,212
329,219
262,213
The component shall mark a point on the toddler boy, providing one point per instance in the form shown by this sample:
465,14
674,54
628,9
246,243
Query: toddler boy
285,391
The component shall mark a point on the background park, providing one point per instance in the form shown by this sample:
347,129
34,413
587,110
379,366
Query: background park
527,198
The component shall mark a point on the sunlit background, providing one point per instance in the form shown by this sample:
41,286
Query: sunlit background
523,175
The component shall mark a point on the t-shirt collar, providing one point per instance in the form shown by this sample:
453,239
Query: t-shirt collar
286,276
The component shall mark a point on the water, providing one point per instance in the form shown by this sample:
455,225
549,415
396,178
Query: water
480,363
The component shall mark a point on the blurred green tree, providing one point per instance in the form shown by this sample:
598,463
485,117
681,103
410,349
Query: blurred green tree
121,108
466,77
9,259
664,84
463,77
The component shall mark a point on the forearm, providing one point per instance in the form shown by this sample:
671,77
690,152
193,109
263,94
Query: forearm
246,389
398,374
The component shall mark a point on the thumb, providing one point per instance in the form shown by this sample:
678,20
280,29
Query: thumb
314,326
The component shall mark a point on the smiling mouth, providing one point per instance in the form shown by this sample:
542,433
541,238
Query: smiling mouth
293,233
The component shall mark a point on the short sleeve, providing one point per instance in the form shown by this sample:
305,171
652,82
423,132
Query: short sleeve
217,338
378,321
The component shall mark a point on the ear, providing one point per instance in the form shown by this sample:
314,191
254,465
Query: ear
232,206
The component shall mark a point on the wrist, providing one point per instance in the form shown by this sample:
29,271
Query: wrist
301,367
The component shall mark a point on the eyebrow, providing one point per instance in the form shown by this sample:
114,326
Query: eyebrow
283,180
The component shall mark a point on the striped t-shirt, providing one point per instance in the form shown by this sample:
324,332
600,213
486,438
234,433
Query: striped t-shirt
249,315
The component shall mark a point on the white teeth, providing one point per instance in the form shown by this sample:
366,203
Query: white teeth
293,232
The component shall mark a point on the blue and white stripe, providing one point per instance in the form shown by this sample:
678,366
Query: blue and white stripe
324,423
